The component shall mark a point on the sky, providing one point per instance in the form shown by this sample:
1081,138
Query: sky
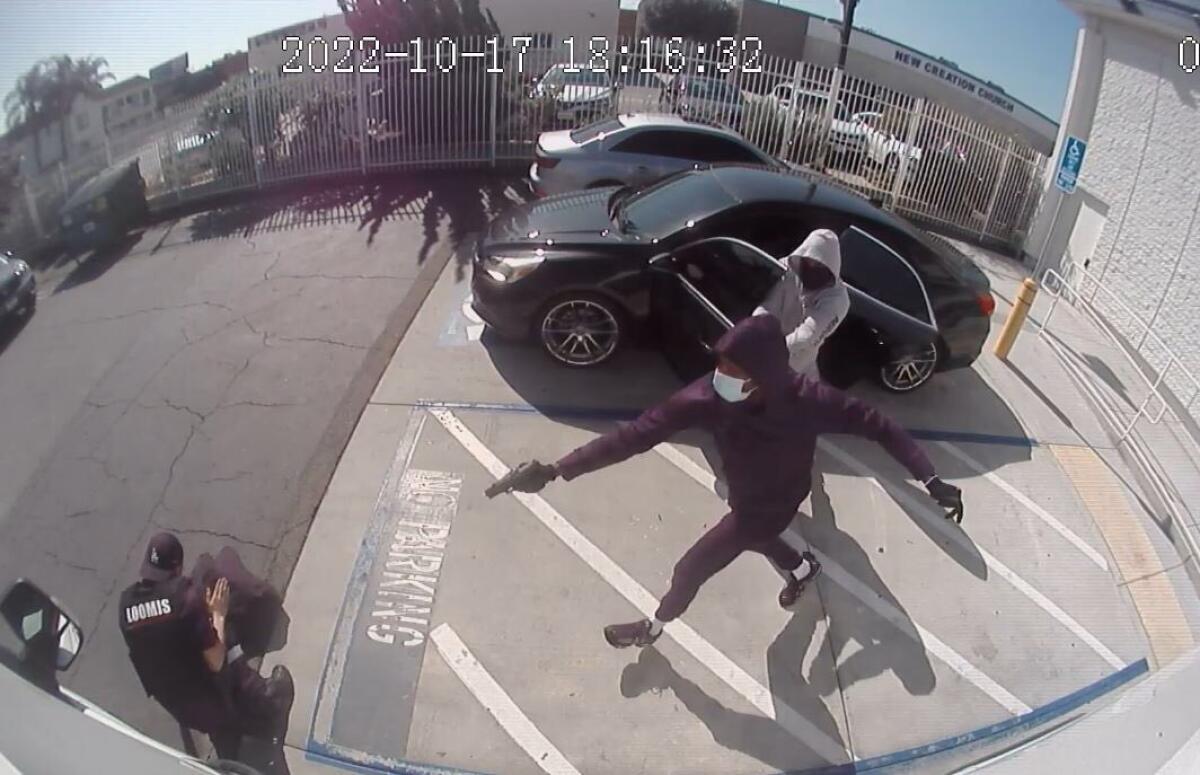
135,35
1025,46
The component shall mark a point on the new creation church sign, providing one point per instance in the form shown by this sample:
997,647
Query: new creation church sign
937,70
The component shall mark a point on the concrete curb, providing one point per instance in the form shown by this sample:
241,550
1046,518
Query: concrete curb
318,472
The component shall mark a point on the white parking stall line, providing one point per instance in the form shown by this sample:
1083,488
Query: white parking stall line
954,533
1029,504
497,702
870,598
704,652
932,643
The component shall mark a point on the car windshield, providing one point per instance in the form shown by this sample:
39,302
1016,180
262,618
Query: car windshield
592,131
666,206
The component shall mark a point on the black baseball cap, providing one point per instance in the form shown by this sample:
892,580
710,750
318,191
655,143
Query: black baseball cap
164,556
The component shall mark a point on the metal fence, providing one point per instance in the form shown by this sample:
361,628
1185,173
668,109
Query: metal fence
479,101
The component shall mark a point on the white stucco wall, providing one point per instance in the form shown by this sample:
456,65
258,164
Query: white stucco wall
1142,162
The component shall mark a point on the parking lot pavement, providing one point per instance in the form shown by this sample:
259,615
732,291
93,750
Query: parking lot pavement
203,379
433,625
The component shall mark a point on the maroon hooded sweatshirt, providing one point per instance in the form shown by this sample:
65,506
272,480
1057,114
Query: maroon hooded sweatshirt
766,442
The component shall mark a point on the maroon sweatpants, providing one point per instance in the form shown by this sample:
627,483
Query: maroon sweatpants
716,549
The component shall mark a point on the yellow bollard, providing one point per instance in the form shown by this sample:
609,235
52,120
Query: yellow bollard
1016,318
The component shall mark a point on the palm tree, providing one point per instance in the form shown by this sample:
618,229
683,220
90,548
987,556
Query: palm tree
26,106
46,93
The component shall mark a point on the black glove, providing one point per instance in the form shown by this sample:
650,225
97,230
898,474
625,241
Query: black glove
527,477
948,497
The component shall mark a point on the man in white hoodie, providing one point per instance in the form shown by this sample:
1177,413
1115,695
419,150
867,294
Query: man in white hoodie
810,300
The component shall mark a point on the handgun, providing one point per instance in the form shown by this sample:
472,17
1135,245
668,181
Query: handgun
526,474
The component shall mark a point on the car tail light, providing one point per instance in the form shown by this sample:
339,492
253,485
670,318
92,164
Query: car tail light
546,162
987,305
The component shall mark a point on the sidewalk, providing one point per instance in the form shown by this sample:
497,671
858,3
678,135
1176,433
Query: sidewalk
432,625
1112,388
1085,378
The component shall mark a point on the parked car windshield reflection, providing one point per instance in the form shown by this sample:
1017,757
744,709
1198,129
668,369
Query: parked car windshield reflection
664,207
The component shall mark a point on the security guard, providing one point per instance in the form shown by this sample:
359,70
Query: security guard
176,636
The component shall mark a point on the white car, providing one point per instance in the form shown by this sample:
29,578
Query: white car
633,149
846,136
883,149
578,96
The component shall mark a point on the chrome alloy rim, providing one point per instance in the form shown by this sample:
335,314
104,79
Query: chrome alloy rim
910,371
579,332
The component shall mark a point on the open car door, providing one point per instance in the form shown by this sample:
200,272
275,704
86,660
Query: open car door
886,293
699,291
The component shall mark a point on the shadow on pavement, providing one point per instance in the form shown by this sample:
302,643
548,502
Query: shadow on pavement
92,265
10,328
883,646
752,734
466,203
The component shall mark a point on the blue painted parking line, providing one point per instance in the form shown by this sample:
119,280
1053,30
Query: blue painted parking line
994,733
975,739
623,414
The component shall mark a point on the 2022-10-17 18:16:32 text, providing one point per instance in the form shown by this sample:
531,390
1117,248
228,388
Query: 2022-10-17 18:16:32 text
727,55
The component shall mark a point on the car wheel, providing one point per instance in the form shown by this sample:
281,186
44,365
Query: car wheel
581,330
904,373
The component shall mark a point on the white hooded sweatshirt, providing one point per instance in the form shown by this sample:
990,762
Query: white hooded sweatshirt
808,318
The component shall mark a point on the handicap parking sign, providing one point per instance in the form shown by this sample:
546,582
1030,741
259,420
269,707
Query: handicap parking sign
1069,164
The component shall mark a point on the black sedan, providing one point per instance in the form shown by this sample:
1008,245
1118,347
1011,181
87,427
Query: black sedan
685,258
18,289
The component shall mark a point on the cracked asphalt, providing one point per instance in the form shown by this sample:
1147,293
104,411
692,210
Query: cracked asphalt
196,383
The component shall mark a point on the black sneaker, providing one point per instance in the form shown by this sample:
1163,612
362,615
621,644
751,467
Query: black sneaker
794,588
632,634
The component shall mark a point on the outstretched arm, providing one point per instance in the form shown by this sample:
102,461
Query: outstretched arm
839,412
682,410
655,425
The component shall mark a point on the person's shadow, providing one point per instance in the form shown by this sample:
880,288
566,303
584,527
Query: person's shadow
884,645
754,735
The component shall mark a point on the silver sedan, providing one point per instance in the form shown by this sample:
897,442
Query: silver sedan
633,149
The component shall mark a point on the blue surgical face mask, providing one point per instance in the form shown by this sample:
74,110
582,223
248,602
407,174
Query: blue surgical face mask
729,388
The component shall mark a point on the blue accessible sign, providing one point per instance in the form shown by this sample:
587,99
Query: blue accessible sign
1069,164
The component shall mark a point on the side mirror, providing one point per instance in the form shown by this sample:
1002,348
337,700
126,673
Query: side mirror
51,638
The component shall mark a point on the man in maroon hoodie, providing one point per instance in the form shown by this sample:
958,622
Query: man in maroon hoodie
766,419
